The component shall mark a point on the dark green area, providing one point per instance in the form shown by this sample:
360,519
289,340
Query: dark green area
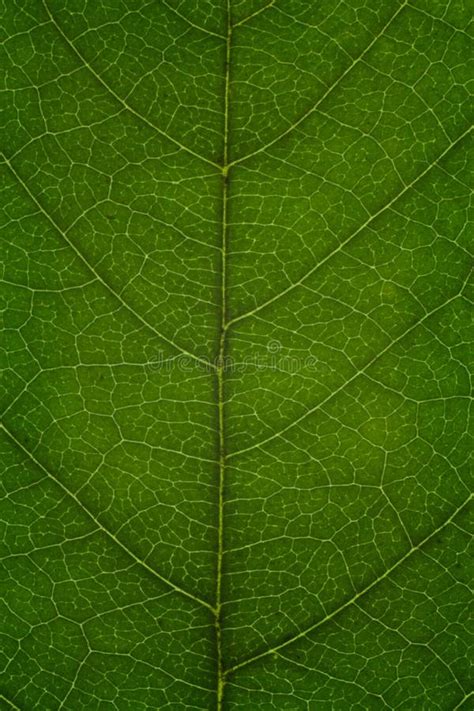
345,210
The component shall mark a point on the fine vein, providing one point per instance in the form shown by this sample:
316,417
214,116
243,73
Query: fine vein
361,371
328,91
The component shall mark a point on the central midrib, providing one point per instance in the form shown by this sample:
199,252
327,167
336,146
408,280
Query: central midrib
220,365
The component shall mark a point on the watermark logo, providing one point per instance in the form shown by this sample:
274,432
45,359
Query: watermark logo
273,357
274,347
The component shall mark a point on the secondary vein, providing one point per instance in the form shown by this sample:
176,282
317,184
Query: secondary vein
118,98
203,362
367,223
303,633
328,91
100,526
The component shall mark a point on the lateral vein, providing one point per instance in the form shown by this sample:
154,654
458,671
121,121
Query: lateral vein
116,96
353,599
349,239
100,525
100,279
328,91
369,363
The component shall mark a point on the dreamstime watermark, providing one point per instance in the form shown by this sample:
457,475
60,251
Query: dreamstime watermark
272,358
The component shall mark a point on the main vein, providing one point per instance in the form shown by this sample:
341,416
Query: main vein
220,369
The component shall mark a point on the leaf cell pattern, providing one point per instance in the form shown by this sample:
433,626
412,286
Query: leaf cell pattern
236,383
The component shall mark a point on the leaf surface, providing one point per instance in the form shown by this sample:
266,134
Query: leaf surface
235,441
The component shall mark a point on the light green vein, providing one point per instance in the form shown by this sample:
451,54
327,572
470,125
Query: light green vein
304,633
220,372
189,22
100,278
100,526
354,234
118,98
11,705
396,630
328,91
149,215
294,423
463,701
254,14
435,18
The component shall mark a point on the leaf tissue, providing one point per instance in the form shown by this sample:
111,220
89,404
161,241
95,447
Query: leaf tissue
235,355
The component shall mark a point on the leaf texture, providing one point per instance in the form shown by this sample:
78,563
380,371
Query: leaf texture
236,384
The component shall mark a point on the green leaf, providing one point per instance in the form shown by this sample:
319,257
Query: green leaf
235,454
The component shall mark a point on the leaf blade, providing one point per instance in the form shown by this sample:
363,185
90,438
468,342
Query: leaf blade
237,355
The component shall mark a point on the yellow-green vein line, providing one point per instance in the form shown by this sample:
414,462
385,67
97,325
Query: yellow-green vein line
301,635
328,91
204,30
254,14
461,703
117,97
10,703
202,361
345,242
220,370
350,380
100,525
